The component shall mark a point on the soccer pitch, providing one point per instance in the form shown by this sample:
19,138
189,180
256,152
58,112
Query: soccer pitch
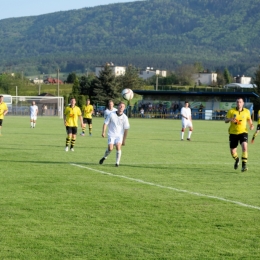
168,199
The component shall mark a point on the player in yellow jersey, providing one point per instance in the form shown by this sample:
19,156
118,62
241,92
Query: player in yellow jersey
238,118
71,115
3,111
257,128
87,110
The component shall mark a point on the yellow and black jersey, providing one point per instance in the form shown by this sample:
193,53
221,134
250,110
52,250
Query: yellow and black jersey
3,108
87,111
241,117
258,117
71,116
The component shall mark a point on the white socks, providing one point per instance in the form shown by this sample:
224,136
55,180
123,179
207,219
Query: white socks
118,156
107,153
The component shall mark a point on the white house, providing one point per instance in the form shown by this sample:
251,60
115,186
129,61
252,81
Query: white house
242,79
116,70
149,72
205,78
37,81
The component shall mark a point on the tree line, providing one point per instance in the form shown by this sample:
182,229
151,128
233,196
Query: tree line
107,86
159,33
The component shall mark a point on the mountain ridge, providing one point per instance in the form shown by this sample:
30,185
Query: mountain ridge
161,33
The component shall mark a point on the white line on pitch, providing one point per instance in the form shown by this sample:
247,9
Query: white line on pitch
169,188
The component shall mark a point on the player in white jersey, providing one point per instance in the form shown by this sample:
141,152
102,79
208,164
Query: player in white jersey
186,120
118,126
33,114
110,109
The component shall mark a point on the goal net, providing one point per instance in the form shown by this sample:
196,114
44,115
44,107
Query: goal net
47,106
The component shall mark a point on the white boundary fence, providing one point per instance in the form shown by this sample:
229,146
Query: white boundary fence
47,106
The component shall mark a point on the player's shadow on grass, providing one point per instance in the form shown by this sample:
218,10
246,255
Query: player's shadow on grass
123,166
49,162
35,133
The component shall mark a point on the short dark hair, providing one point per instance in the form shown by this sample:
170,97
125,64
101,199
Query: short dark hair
121,102
240,98
186,101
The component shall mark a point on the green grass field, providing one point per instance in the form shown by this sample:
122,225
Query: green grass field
167,200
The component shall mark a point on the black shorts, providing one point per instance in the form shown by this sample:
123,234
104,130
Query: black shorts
258,127
1,122
87,121
71,130
234,139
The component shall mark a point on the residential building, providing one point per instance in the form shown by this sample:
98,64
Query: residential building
205,78
242,79
52,81
37,81
149,72
116,70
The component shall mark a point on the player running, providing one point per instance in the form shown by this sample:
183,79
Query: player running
238,118
3,111
186,120
118,126
71,115
33,114
110,109
257,128
87,110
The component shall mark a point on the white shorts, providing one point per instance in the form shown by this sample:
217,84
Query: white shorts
115,140
34,118
186,123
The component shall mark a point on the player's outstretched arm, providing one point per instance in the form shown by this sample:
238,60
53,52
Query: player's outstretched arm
124,137
250,122
64,118
81,120
5,112
228,120
104,130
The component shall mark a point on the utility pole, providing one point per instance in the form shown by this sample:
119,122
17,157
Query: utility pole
58,70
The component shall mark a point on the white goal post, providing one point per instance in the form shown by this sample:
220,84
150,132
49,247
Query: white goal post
47,105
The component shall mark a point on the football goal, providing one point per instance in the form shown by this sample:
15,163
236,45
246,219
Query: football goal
47,105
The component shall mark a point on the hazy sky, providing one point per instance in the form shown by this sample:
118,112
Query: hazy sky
19,8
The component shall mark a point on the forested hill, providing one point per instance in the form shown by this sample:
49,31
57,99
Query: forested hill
158,33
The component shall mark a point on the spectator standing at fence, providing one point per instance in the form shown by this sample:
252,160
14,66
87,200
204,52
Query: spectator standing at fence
238,118
118,125
71,115
3,112
45,109
257,128
164,112
142,112
186,120
110,108
176,108
88,110
200,111
33,114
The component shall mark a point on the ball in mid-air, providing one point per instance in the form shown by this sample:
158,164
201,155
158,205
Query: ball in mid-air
127,94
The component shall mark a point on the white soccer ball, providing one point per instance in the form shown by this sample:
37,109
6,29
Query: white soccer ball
127,94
